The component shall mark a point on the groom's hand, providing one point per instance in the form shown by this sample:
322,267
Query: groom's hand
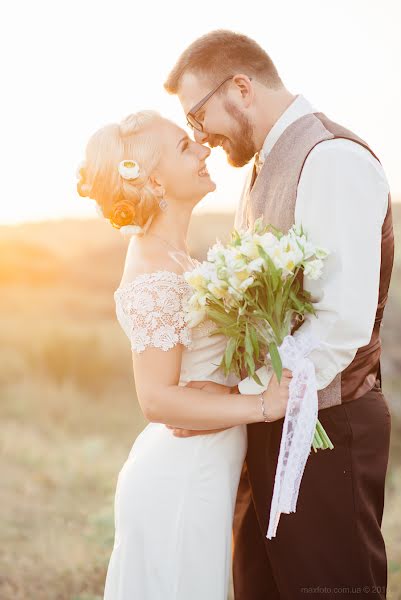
211,387
276,396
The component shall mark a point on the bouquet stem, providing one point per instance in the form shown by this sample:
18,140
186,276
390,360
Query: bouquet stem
321,440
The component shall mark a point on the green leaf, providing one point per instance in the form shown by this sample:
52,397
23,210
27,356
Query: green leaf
276,360
228,355
250,364
254,340
235,238
272,269
248,342
286,292
219,317
278,305
255,376
279,234
258,226
296,301
231,331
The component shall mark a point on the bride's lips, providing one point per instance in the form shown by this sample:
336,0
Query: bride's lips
203,172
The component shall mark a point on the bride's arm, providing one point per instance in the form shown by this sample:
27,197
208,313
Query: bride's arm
162,400
208,386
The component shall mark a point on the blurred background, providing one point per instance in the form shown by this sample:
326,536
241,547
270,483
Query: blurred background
68,408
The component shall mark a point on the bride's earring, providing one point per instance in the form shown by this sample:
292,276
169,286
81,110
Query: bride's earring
163,204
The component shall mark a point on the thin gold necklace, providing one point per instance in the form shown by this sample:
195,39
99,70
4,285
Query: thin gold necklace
168,243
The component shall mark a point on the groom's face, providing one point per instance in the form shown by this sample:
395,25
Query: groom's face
224,118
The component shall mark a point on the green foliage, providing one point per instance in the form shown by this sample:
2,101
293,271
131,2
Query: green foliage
229,353
276,360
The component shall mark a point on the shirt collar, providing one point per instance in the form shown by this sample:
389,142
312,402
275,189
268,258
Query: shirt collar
298,108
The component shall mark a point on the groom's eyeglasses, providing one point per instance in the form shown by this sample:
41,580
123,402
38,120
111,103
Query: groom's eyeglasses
192,121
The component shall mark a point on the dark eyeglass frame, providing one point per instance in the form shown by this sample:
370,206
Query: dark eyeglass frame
191,118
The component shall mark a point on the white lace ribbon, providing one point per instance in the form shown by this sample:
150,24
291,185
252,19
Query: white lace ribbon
298,428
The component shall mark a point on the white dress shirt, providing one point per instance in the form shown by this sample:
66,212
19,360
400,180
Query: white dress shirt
341,202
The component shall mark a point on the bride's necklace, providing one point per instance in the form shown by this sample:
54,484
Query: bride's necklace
169,244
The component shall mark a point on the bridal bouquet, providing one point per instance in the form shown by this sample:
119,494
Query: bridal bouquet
251,288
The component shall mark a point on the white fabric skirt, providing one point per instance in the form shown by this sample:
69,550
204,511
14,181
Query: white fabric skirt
174,508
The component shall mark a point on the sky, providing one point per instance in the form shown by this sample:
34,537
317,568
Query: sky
71,67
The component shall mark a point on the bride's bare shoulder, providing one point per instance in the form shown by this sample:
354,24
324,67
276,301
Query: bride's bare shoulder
142,258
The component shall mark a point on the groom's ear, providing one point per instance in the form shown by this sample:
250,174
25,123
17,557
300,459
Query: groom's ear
245,88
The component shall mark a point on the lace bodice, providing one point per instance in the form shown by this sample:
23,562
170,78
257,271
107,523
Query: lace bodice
151,309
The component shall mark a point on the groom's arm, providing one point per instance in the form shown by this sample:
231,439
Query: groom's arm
342,202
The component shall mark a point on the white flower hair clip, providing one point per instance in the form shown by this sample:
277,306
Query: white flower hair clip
129,169
136,229
98,209
131,230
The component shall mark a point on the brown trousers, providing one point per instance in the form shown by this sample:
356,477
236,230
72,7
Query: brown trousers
332,546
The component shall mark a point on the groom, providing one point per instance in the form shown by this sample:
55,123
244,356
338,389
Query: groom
309,170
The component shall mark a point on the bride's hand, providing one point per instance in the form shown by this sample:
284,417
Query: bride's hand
208,386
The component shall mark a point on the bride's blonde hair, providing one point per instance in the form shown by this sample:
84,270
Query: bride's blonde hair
124,202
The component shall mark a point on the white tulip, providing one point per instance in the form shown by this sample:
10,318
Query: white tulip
194,317
313,269
256,264
246,283
321,253
216,252
268,241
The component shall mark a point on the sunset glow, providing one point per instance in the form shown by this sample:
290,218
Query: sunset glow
73,67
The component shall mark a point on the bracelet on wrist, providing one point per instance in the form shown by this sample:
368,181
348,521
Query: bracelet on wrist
262,402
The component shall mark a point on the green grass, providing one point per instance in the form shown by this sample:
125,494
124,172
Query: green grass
69,414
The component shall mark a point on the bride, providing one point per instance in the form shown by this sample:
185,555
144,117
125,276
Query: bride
175,497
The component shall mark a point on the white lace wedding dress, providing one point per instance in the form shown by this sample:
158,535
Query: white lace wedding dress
175,497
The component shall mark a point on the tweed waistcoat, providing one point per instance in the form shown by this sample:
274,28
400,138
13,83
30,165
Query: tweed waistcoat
272,195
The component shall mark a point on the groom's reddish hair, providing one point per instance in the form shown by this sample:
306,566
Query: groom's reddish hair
222,53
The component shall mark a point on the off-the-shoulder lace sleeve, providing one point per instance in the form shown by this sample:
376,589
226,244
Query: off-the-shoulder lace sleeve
151,310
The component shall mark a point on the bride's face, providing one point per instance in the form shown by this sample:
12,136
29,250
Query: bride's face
182,168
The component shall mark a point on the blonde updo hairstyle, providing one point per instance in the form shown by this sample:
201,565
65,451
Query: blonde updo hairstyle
122,201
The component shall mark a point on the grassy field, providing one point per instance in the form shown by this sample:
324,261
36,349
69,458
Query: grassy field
68,408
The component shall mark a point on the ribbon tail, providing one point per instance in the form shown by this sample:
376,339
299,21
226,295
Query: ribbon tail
297,434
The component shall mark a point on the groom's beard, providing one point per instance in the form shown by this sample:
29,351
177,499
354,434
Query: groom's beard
241,145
